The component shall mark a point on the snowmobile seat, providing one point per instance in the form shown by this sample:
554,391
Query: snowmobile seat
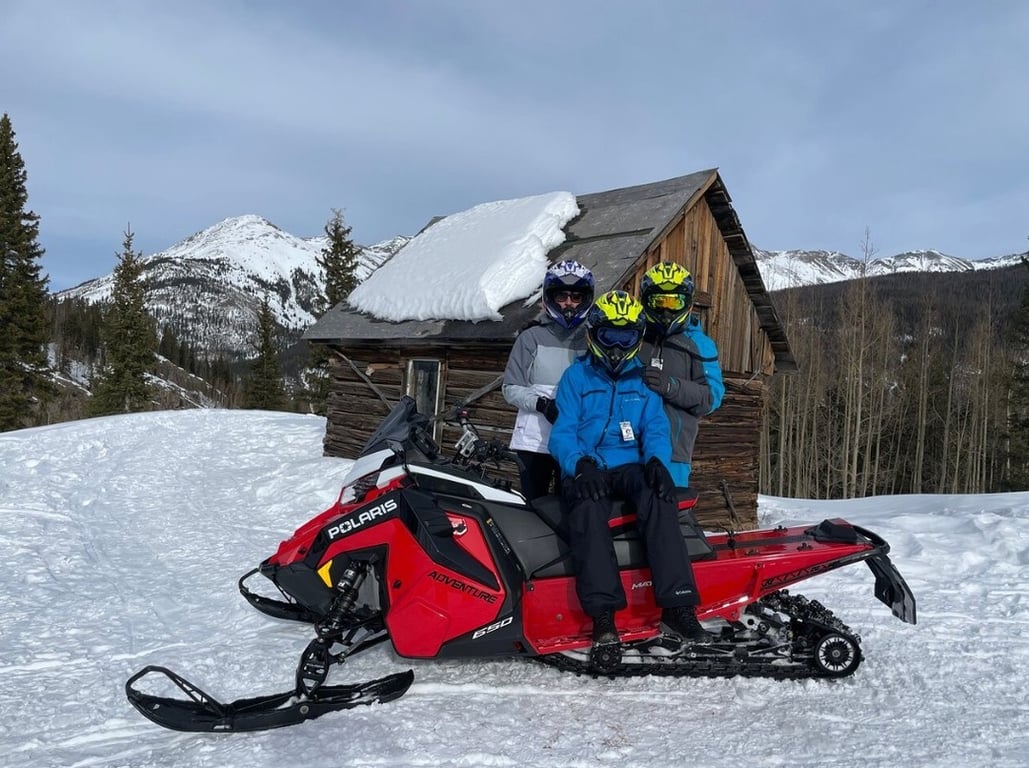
544,554
623,515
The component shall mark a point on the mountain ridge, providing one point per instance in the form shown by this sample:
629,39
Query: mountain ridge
209,286
796,268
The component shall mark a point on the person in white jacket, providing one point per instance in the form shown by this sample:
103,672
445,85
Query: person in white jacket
541,353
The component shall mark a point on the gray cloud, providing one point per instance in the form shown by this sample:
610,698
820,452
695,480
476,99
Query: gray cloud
824,117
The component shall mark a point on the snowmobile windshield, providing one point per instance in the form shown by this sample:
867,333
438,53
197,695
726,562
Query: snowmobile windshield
402,425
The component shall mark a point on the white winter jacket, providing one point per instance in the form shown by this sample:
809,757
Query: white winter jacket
540,354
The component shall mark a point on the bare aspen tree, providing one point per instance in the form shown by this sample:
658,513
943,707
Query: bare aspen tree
916,393
948,410
848,374
980,397
804,423
922,394
884,358
859,337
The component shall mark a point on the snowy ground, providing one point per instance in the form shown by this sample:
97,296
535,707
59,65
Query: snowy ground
124,537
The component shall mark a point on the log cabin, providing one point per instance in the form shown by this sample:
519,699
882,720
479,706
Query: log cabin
618,234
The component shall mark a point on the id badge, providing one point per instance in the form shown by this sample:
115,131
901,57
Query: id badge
627,433
657,362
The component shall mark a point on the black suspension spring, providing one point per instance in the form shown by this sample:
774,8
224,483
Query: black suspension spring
343,603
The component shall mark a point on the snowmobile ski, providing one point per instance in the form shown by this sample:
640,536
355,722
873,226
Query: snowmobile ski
203,712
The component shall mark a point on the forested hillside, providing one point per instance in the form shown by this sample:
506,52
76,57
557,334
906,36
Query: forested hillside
910,383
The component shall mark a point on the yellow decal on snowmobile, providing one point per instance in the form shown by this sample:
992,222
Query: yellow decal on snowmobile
324,573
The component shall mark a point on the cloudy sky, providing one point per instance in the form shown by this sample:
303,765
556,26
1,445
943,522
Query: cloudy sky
909,118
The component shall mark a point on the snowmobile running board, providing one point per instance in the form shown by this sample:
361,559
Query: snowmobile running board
203,712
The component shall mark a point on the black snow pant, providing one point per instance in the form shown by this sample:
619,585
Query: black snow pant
540,473
597,582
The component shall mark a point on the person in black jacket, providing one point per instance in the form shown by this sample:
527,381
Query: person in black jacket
681,360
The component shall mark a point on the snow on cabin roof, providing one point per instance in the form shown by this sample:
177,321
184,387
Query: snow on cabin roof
468,265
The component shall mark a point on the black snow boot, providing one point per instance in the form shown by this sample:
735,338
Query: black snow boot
682,620
606,653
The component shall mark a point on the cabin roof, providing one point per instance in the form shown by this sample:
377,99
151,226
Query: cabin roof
613,230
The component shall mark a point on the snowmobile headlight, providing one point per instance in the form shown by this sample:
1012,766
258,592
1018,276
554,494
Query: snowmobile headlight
358,489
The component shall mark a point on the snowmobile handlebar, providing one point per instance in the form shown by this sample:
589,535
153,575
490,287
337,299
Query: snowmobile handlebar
473,449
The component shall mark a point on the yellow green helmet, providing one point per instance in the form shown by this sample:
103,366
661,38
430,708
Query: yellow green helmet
614,329
666,291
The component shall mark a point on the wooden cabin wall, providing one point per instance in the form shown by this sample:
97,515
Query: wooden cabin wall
470,369
726,458
353,408
726,455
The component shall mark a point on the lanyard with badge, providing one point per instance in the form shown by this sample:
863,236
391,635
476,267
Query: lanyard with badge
627,434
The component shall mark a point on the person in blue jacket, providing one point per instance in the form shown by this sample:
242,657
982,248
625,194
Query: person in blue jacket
681,360
611,437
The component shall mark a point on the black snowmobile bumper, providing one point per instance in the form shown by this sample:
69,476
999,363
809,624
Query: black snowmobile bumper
890,587
202,712
279,609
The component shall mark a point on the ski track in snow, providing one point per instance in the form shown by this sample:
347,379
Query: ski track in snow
124,538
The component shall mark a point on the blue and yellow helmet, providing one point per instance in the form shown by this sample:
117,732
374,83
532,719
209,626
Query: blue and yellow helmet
614,329
666,291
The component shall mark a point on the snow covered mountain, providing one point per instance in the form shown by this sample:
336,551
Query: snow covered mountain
791,269
209,286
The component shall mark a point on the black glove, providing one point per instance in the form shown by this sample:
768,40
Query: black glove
658,380
590,482
659,478
547,407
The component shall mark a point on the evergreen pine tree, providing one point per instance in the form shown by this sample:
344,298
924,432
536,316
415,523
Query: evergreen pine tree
169,345
129,335
24,372
339,260
263,387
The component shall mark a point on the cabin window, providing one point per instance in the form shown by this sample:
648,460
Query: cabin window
423,385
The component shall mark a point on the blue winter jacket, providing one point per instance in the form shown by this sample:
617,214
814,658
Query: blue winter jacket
591,409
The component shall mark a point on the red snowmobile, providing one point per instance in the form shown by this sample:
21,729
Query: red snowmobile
446,562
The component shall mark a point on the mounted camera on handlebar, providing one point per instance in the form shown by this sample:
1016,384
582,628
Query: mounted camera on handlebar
467,444
471,448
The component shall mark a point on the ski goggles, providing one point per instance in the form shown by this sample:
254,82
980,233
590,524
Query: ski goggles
576,297
673,301
624,338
